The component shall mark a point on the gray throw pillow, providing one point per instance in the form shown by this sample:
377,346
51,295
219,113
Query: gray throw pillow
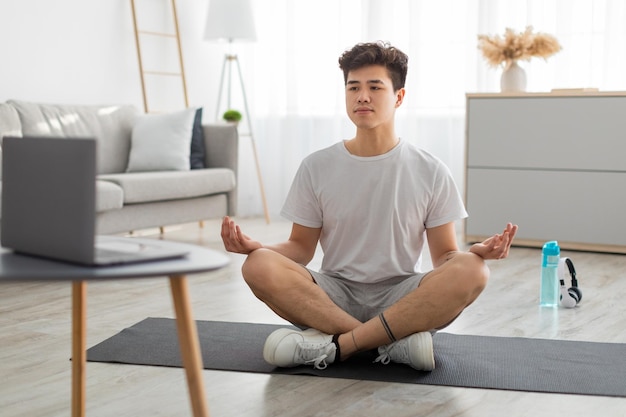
196,158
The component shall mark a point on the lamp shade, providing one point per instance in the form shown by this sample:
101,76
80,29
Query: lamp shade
230,20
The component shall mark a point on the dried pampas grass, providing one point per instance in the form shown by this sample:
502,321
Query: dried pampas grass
515,46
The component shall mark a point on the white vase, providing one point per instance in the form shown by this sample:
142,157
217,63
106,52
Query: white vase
513,79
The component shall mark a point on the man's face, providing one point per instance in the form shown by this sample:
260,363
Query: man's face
370,98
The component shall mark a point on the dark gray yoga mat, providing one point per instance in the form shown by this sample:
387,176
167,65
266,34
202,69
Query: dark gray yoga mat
519,364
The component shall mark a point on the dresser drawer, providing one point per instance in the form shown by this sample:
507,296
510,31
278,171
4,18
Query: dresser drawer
578,209
578,133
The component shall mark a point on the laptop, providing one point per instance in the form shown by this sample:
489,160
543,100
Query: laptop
49,205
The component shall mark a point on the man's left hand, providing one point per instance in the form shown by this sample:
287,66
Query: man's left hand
497,246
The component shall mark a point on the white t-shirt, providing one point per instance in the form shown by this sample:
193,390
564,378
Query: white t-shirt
373,211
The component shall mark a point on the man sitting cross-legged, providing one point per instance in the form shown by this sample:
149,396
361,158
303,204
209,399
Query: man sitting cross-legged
371,201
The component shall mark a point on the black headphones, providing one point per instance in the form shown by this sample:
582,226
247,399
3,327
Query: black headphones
570,297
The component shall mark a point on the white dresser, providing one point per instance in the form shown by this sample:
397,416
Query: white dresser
555,164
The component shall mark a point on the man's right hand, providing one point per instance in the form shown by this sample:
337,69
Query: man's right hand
235,240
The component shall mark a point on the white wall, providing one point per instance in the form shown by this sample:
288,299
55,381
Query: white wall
83,51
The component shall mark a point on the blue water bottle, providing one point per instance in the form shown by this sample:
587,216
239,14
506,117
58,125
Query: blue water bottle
549,296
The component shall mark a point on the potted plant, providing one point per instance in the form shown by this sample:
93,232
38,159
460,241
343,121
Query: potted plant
232,116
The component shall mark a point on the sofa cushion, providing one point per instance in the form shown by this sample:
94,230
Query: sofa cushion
143,187
109,196
110,125
162,142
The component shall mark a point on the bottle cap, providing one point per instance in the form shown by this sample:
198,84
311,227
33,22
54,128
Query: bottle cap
551,248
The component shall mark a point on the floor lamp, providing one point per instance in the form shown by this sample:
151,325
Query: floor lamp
232,20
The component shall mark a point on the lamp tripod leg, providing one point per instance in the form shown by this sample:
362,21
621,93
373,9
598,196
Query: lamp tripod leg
219,93
254,150
261,187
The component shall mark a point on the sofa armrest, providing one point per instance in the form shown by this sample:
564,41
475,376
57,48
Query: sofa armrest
221,142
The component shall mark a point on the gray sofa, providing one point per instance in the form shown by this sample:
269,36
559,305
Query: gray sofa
146,197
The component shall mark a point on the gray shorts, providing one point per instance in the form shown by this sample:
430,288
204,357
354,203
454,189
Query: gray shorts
364,301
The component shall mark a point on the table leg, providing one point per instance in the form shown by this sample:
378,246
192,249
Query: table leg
189,345
79,353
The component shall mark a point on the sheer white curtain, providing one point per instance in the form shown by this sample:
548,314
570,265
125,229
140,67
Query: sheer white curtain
295,87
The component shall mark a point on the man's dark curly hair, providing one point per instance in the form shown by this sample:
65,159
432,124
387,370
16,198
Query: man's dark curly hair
376,53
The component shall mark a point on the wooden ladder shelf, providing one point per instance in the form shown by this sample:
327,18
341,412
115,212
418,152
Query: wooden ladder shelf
166,36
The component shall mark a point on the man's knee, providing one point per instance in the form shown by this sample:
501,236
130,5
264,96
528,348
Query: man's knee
266,271
257,265
464,276
472,274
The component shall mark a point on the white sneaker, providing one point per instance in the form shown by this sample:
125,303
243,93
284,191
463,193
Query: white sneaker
415,350
288,348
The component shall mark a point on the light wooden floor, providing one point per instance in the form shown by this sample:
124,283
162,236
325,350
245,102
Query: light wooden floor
35,345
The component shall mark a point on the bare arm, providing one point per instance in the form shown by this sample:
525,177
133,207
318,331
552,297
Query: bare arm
442,243
300,247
